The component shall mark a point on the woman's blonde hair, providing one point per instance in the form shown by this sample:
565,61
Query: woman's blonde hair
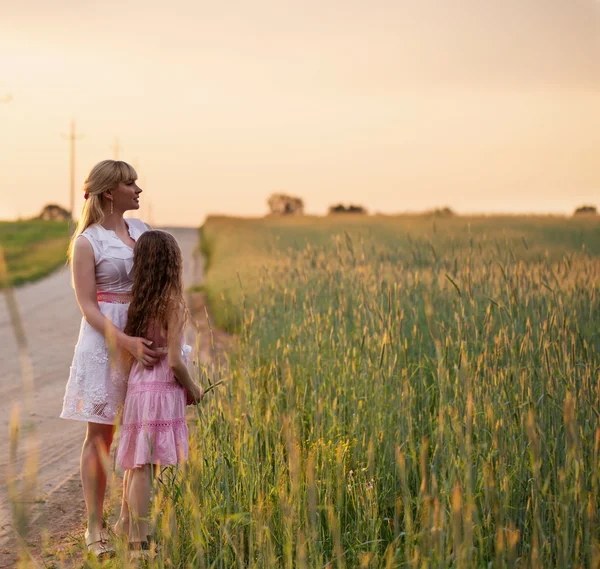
105,176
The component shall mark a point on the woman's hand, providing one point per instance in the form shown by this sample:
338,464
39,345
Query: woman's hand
140,349
195,394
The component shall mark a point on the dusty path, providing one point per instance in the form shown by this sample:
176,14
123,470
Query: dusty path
51,321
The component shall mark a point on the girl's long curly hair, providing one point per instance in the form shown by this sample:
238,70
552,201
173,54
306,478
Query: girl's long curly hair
157,282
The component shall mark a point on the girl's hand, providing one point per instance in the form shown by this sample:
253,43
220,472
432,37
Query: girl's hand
140,349
195,395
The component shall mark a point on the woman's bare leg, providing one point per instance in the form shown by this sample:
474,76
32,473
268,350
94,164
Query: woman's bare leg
94,454
140,488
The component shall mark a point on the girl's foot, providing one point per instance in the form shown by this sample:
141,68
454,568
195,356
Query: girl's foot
98,545
141,550
121,528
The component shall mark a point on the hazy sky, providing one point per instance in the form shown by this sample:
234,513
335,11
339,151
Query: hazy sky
483,105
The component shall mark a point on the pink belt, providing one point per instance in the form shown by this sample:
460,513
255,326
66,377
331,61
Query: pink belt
114,297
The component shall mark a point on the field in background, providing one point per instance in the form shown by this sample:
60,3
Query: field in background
239,252
407,392
33,249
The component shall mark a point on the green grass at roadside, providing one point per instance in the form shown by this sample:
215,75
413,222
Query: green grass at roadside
33,249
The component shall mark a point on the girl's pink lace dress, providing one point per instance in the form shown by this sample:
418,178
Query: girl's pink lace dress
154,430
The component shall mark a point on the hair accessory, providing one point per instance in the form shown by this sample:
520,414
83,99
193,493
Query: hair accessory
86,195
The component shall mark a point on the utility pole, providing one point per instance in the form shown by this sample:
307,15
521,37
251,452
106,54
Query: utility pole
72,137
116,148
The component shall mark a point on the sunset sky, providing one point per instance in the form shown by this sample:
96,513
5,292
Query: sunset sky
482,105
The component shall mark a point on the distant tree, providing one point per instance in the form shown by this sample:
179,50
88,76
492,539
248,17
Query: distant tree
282,204
440,212
341,208
53,212
444,212
586,210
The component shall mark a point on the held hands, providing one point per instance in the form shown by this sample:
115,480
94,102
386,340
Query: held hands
140,349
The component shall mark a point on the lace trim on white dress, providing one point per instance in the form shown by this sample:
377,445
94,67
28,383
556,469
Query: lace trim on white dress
96,388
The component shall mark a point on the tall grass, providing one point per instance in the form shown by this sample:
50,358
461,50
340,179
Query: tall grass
20,488
407,393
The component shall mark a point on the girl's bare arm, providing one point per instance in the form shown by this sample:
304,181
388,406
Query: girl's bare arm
176,363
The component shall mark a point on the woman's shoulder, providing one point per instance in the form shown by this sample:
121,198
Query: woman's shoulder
94,232
94,235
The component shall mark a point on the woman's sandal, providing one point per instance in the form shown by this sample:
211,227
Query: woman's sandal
98,545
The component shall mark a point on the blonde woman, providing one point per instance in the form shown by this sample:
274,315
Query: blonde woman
101,253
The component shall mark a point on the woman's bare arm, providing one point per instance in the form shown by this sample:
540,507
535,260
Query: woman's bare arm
84,279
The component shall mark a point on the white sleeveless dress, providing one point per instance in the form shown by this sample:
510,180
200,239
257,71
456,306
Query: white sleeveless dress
96,388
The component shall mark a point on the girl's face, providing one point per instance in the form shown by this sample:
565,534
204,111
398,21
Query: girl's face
126,196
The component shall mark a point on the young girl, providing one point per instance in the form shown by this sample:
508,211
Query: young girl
154,429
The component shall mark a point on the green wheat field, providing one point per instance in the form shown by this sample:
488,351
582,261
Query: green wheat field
406,392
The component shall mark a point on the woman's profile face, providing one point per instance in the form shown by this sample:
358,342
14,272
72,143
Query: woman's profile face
126,196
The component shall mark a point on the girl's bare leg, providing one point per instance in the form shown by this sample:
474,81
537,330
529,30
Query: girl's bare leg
140,488
122,525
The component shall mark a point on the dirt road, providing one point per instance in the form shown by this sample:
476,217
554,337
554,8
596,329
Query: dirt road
51,321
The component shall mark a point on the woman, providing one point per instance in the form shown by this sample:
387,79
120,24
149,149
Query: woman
101,253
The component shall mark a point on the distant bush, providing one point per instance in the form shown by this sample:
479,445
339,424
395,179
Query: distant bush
586,210
340,208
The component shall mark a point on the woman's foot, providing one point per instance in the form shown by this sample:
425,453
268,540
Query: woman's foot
98,545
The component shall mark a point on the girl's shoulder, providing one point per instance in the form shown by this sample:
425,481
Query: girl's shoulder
176,311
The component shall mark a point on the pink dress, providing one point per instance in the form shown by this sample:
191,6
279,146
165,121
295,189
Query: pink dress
154,429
